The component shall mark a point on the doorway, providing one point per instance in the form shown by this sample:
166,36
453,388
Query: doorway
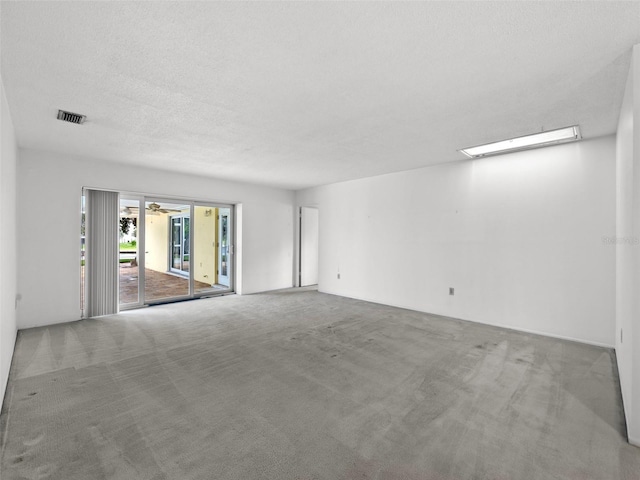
309,227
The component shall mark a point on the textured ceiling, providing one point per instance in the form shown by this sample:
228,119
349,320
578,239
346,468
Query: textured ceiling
301,94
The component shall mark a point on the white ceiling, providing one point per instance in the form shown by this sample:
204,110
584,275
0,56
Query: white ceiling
301,94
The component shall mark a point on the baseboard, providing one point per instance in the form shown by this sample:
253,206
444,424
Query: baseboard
507,327
634,441
29,325
552,335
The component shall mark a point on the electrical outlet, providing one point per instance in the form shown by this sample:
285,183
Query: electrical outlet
338,276
451,290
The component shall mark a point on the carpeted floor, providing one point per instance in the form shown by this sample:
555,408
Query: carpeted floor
302,385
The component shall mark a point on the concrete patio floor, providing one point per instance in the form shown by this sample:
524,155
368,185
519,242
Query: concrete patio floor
158,285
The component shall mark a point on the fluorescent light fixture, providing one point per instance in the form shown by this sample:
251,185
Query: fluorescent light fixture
551,137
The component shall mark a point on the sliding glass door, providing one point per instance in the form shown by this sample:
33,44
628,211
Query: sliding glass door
166,245
187,249
169,250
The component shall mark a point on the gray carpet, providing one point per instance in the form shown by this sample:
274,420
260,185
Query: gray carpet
301,385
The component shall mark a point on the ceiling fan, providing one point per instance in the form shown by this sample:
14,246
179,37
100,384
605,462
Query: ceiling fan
155,209
129,212
152,209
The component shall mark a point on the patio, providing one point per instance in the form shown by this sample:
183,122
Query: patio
158,285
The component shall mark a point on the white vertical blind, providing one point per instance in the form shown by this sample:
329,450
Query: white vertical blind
102,251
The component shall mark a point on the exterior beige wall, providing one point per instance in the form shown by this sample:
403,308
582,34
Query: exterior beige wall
204,254
157,242
204,246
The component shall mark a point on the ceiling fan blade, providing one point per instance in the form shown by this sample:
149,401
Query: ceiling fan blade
128,212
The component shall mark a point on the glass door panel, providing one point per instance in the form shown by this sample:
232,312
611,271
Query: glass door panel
165,276
129,281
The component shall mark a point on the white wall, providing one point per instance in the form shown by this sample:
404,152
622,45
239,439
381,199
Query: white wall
519,237
628,249
49,188
8,257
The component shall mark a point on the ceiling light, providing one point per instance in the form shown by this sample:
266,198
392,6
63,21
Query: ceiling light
551,137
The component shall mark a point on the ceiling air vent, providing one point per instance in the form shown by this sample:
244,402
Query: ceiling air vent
71,117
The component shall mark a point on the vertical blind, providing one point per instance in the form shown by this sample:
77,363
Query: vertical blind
102,251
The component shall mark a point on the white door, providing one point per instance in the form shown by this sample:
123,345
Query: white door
308,246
